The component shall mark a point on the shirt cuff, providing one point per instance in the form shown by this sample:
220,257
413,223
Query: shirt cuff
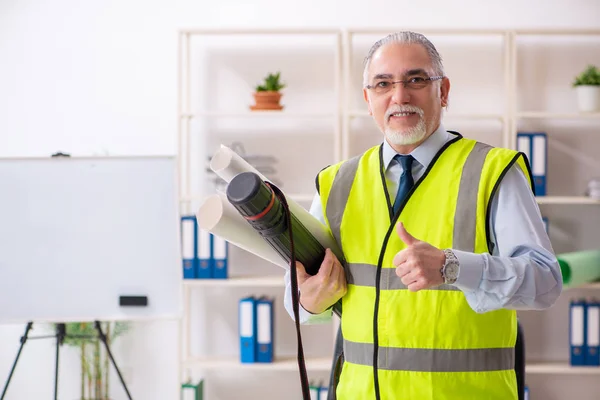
470,270
309,318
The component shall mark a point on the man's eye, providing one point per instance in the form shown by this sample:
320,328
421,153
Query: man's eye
382,84
417,79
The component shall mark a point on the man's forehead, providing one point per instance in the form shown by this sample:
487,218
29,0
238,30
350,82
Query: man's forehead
400,59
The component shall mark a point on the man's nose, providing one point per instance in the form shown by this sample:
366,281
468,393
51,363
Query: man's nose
400,94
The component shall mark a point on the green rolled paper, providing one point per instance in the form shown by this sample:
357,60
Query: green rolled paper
579,267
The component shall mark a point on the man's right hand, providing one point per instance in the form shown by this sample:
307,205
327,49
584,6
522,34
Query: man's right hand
321,291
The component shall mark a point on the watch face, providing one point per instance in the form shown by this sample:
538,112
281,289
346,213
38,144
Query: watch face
451,271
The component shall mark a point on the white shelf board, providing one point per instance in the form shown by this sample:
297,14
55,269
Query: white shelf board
260,31
592,286
364,113
566,200
559,368
556,115
258,114
281,364
242,281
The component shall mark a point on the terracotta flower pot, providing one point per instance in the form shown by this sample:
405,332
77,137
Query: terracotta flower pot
268,100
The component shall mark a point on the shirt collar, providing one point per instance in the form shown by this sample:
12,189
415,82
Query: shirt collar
424,153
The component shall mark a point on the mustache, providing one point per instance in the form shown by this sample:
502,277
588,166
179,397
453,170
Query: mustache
403,108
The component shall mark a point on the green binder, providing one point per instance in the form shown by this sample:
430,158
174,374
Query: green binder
189,391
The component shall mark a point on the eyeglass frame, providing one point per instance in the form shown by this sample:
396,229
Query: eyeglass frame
405,82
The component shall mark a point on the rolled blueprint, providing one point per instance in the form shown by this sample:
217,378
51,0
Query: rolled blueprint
259,204
220,218
227,164
579,267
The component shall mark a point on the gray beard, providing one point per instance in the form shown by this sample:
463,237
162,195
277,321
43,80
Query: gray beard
409,136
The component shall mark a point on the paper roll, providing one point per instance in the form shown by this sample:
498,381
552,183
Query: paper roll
579,267
220,218
227,164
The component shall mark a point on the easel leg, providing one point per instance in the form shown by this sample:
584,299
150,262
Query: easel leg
61,332
103,339
23,340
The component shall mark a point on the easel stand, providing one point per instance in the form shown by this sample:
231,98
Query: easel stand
60,335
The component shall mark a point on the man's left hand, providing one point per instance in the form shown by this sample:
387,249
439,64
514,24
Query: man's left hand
419,265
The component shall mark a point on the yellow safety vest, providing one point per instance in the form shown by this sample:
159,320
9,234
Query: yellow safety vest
430,344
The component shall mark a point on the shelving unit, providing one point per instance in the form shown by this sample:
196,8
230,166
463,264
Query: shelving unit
550,68
205,123
491,97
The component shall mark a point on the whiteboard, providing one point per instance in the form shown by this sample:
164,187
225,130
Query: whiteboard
78,233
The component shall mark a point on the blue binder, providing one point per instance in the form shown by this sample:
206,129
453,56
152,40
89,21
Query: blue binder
323,392
264,338
592,356
203,254
314,391
577,332
546,224
535,146
247,329
188,245
220,256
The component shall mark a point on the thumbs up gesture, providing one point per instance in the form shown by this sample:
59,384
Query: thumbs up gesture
420,264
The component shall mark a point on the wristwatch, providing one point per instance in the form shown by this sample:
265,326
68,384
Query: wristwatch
451,267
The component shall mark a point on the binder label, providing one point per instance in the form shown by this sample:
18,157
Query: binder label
246,319
523,147
219,248
187,240
539,155
203,244
593,326
263,314
577,326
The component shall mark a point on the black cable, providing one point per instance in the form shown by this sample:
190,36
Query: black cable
295,295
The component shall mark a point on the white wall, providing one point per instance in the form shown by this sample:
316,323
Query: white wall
99,77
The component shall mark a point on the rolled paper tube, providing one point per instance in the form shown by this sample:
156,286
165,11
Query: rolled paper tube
579,267
227,164
217,216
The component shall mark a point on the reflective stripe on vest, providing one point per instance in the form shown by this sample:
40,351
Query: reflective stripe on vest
431,360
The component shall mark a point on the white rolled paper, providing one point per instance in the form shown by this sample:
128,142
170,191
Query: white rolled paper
227,164
220,218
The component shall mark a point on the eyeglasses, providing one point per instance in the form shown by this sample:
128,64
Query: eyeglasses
415,83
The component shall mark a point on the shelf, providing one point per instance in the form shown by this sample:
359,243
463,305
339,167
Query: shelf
560,368
593,285
282,364
362,114
566,200
556,115
264,281
258,114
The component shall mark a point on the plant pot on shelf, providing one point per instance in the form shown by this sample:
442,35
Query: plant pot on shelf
267,100
588,98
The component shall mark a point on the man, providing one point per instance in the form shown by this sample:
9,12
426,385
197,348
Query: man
443,241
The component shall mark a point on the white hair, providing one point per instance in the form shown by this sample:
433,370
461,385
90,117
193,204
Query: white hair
406,37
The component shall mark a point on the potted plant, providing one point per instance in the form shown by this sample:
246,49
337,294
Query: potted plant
587,85
267,95
95,369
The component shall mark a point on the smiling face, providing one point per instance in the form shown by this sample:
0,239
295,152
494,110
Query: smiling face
406,115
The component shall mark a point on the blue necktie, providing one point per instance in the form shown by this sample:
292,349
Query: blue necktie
406,179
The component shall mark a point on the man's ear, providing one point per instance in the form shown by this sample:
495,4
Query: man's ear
444,91
366,97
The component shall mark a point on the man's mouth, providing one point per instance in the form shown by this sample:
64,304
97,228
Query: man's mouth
402,114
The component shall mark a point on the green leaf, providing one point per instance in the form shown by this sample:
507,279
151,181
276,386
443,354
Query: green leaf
590,76
271,83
